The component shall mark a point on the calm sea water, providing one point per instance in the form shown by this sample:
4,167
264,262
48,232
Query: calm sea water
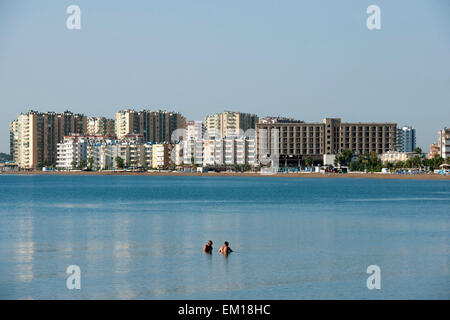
142,237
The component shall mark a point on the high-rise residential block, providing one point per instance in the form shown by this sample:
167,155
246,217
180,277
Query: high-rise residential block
35,136
13,139
155,126
100,126
406,139
444,143
229,124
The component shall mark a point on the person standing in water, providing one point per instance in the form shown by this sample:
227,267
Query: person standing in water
225,249
208,247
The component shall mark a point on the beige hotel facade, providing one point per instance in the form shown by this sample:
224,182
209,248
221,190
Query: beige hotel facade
299,140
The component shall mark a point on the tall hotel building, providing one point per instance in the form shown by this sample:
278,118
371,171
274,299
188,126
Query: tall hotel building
299,140
155,126
35,135
229,124
406,139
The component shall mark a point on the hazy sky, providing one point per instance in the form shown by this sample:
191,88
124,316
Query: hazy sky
303,59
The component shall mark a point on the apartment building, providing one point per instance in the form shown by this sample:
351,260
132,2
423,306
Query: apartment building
103,154
213,126
192,151
406,139
70,123
444,143
14,139
155,126
160,155
297,141
229,124
72,152
100,126
435,150
34,136
132,153
77,149
126,122
194,130
224,151
100,152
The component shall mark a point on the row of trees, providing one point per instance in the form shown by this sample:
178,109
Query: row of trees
372,163
418,162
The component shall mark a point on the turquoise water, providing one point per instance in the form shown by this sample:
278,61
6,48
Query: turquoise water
138,237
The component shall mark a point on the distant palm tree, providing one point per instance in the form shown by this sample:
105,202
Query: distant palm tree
308,161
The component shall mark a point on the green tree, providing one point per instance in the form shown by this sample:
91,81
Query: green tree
82,164
119,162
74,164
90,162
389,164
344,157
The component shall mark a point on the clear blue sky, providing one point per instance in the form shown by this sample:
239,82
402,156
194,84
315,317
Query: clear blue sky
303,59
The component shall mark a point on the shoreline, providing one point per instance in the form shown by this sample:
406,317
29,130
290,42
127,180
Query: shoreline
431,176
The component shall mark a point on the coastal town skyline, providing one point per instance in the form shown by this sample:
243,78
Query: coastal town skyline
160,139
205,117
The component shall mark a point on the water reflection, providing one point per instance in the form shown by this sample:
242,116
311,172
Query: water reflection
24,249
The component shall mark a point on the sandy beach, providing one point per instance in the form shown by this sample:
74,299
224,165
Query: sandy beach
430,176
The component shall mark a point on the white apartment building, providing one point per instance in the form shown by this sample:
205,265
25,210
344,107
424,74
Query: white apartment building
77,148
103,155
393,156
177,154
444,142
148,156
160,156
192,152
194,130
213,126
72,152
208,154
211,152
100,152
